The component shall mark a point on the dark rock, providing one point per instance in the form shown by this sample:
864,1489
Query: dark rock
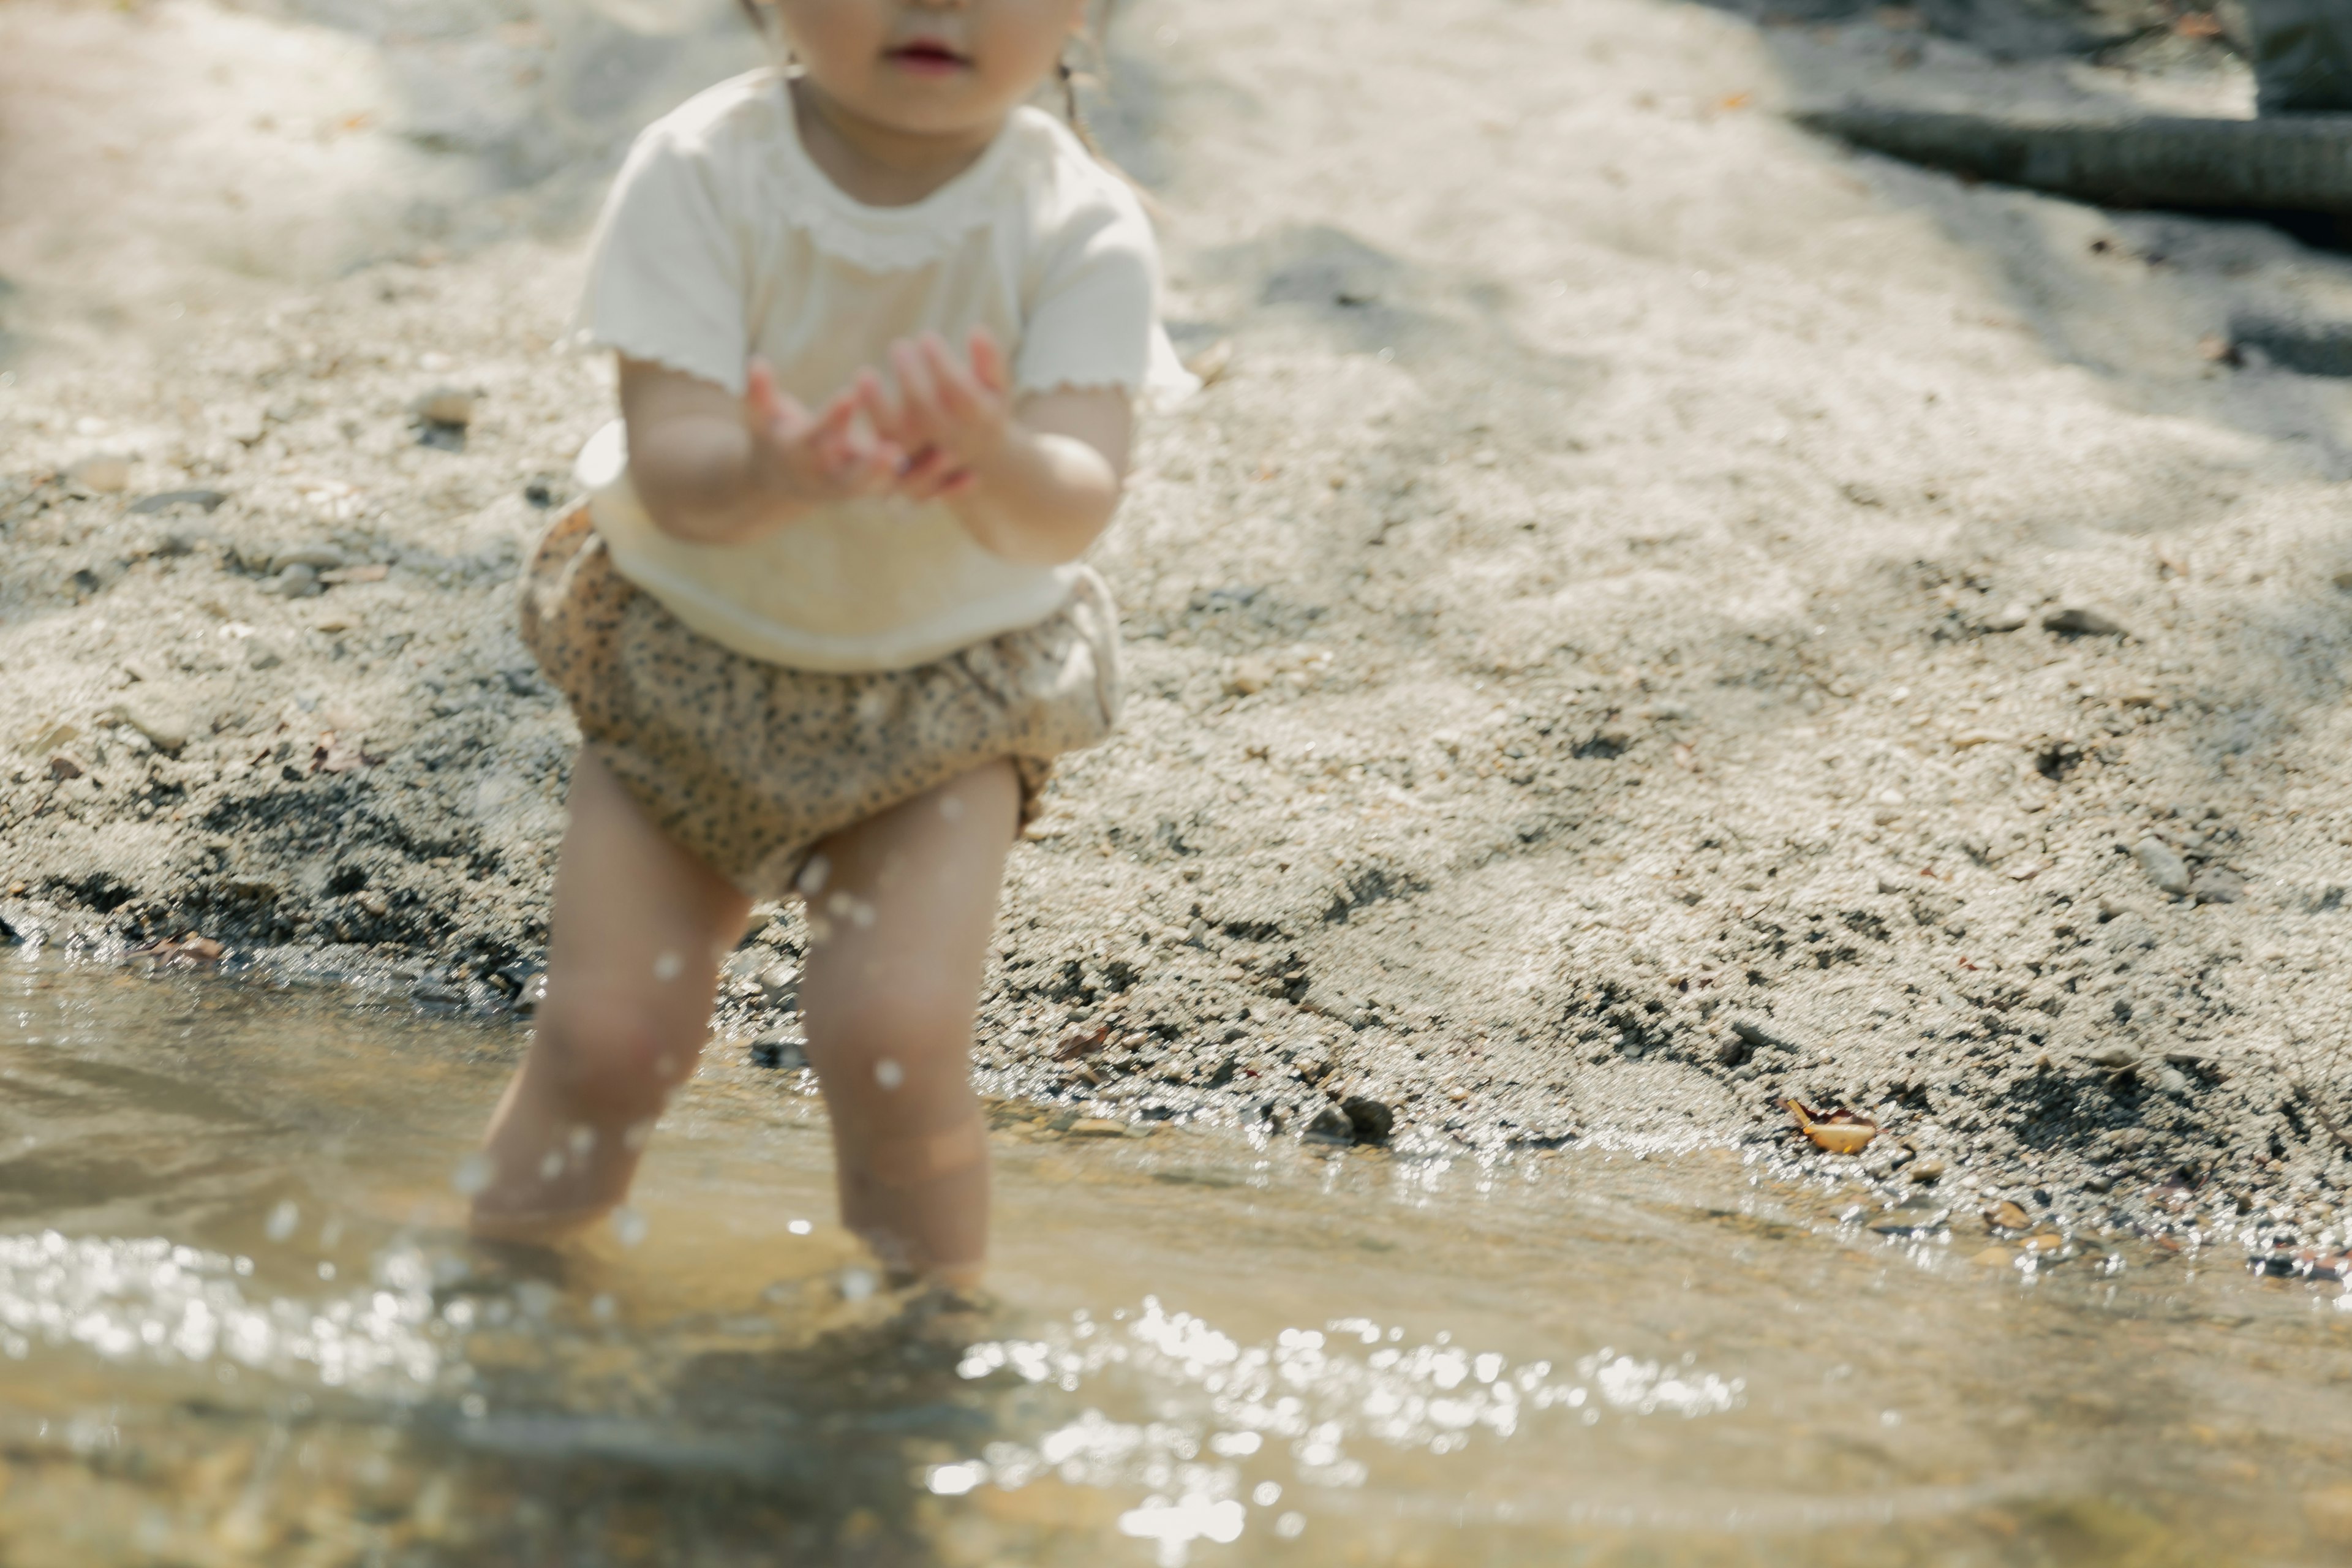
1370,1121
1909,1220
1331,1125
1761,1039
2081,621
779,1050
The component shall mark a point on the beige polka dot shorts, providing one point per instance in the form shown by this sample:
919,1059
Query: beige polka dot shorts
748,763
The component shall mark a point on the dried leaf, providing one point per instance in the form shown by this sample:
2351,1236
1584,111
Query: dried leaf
1081,1043
1839,1132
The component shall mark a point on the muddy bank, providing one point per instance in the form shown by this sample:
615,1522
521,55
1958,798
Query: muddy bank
1638,572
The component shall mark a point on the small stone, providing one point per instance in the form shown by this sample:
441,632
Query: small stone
203,501
2163,867
780,1050
1927,1169
62,766
780,985
2114,1058
2098,1182
318,557
1908,1219
2217,885
373,903
1098,1126
1247,678
297,581
447,406
1732,1051
2172,1080
2007,1215
260,655
1762,1039
2081,621
107,473
2007,619
2343,581
1331,1125
1371,1120
167,729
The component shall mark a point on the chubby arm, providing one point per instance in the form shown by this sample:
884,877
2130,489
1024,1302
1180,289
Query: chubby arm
714,469
1035,480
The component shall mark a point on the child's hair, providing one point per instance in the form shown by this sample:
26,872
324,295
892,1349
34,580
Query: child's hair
1066,74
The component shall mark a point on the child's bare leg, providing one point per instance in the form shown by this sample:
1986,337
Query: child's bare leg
908,900
633,953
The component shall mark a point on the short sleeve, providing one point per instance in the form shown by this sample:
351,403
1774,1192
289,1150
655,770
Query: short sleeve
1095,310
667,271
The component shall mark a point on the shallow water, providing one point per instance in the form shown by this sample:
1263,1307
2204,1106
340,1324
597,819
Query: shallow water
238,1326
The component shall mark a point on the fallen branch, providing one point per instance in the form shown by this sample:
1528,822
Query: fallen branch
2296,164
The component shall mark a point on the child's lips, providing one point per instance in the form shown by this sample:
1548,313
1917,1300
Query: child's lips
926,57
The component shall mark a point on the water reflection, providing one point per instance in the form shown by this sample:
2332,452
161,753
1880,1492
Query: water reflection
237,1324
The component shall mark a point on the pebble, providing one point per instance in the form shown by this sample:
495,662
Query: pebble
2082,621
1247,678
1908,1219
779,983
167,729
2008,619
318,557
1331,1125
62,766
203,501
1098,1126
1371,1120
449,405
108,473
2008,1217
1927,1169
1760,1037
778,1049
300,581
2217,885
2165,868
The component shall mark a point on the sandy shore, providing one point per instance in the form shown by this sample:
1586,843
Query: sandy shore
1656,616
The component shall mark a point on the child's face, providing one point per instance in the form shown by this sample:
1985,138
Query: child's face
929,66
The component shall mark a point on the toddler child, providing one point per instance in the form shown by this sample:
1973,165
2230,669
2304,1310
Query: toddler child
880,329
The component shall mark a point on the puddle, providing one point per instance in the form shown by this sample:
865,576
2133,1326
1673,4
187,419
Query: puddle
237,1326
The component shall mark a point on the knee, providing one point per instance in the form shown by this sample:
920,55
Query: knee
613,1059
913,1019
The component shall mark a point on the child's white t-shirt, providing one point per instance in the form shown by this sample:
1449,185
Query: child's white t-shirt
722,239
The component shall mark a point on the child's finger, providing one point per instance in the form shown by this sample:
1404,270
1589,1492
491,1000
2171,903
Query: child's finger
917,398
880,409
776,409
958,394
988,366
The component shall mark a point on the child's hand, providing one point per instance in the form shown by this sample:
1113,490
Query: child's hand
949,419
814,458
